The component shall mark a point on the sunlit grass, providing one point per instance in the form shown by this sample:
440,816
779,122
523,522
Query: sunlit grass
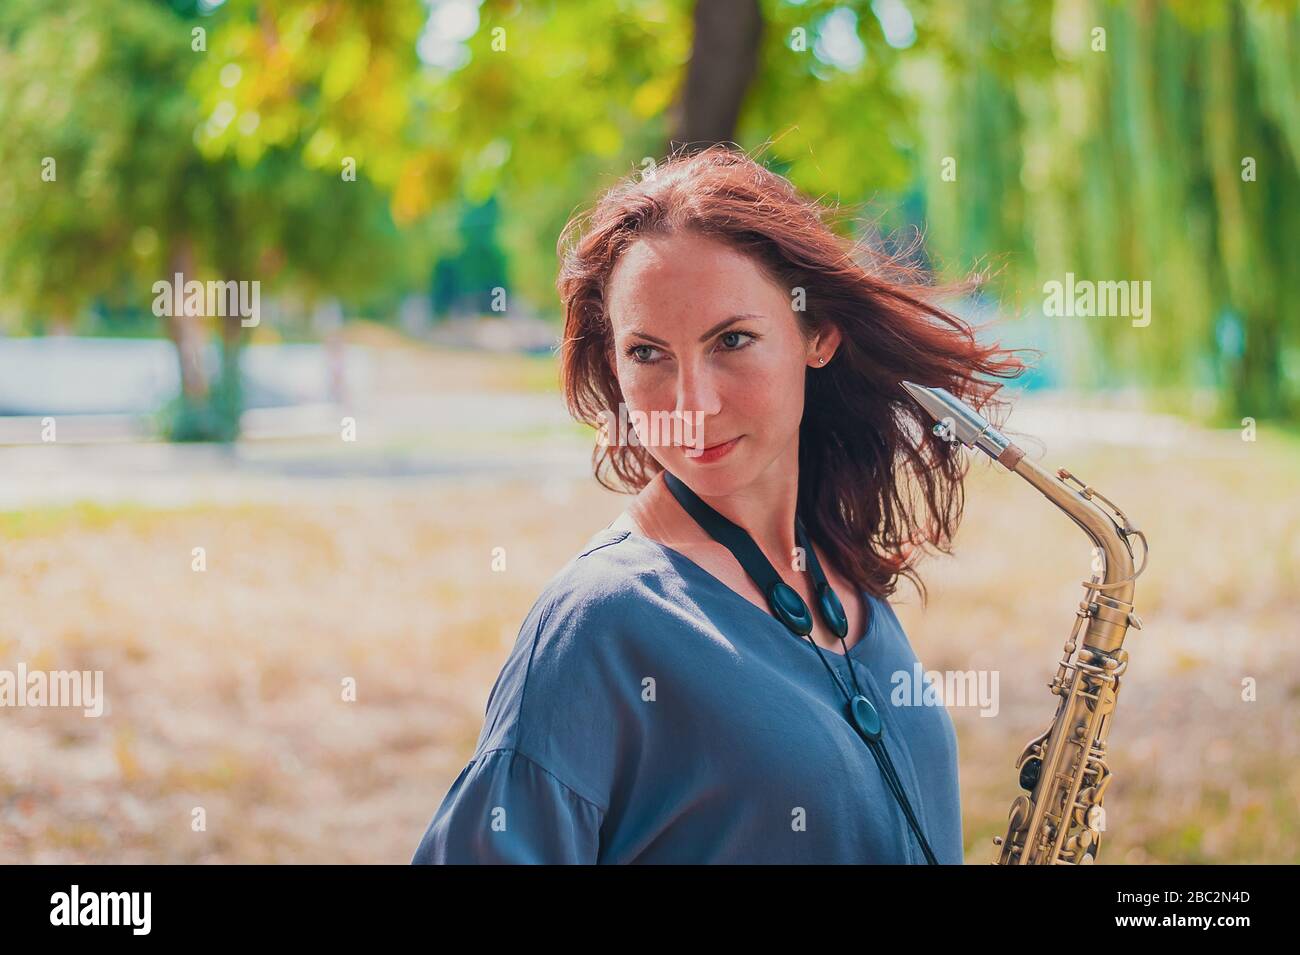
224,687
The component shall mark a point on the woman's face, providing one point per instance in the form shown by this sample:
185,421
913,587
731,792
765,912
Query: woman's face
704,337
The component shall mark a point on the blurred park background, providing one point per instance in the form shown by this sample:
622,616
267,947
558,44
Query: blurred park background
395,173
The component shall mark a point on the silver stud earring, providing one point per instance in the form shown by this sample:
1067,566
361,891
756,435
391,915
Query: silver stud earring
821,361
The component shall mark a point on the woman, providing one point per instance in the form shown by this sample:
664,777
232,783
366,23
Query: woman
655,708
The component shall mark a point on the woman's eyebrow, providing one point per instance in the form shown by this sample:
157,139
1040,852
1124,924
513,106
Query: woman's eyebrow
707,335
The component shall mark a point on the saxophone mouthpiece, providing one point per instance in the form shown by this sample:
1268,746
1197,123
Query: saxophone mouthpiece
958,421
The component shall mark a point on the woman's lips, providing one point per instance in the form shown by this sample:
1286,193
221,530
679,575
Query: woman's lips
713,453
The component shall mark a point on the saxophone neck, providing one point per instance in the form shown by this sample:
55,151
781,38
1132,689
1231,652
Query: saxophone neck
1110,592
1078,502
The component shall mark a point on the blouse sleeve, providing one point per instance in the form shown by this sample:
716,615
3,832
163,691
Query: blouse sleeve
505,808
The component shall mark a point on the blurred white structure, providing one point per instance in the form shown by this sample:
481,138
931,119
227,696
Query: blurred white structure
70,376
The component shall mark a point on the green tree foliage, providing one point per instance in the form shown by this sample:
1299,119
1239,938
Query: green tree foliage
109,95
1158,142
93,92
1126,161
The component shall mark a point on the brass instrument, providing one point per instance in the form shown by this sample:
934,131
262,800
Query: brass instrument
1063,770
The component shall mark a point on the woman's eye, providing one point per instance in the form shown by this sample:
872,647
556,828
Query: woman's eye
728,335
732,341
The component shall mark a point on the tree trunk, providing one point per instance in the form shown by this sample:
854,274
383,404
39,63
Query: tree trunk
231,406
724,60
186,331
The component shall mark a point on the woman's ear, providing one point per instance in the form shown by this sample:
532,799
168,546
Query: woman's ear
824,345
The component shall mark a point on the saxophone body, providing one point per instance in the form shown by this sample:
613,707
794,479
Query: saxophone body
1059,818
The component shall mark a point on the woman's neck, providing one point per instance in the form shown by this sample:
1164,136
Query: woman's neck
765,510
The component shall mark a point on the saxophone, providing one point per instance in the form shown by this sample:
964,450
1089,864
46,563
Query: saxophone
1060,819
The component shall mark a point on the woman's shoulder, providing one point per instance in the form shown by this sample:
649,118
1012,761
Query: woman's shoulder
570,674
585,615
607,579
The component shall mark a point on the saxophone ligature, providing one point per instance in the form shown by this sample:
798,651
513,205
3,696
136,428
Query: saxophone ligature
1059,820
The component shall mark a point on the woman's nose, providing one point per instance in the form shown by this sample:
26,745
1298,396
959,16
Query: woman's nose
697,391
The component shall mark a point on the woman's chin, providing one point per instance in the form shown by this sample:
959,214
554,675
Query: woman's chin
715,479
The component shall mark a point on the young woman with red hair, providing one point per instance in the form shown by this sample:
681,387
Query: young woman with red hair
690,688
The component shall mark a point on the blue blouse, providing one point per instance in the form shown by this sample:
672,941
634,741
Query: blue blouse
649,713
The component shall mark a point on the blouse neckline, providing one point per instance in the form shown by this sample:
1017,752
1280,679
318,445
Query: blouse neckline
672,552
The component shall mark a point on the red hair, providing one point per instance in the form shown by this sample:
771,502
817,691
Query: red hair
864,446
